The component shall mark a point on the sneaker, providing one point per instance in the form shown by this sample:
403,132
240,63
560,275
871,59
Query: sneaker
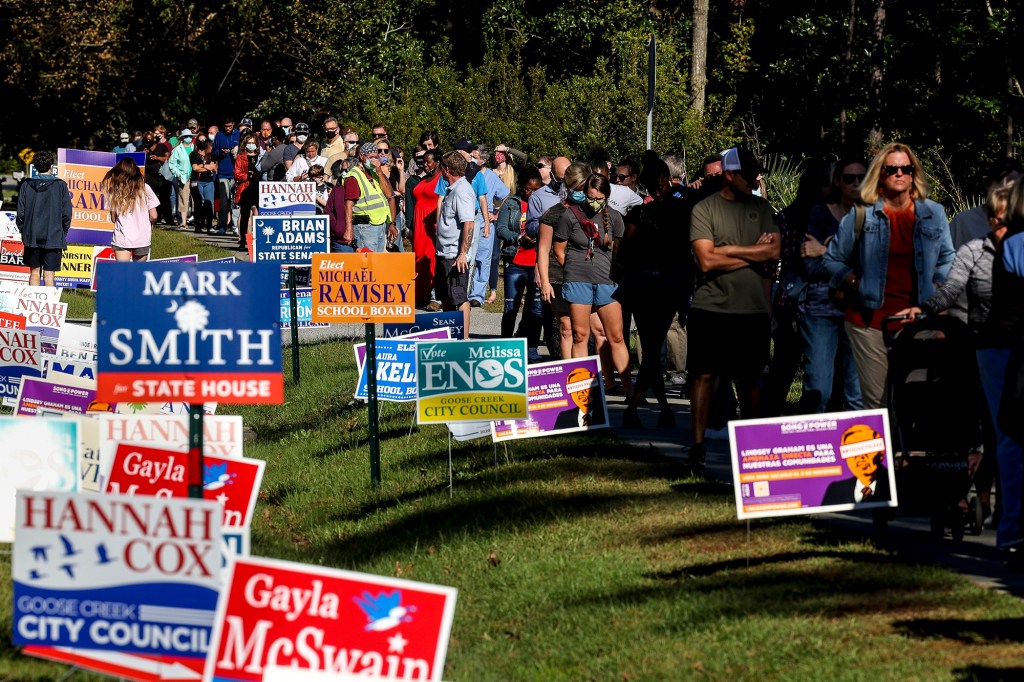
473,303
221,233
717,434
677,379
434,306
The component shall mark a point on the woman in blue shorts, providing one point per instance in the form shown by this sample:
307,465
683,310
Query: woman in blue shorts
585,241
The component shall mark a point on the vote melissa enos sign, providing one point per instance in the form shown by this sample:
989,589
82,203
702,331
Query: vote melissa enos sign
363,287
189,332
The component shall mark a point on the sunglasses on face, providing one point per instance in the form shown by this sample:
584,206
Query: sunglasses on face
380,136
850,178
619,177
385,150
893,170
542,166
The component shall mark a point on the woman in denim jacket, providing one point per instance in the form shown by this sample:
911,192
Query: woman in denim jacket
903,253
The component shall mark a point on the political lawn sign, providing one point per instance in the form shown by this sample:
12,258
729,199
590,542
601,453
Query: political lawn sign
309,617
35,454
75,267
363,287
12,261
304,308
19,358
565,396
287,198
813,463
396,366
55,398
105,254
454,320
83,171
189,333
471,380
132,574
289,240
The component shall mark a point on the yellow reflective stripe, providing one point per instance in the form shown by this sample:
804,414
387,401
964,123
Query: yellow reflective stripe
371,202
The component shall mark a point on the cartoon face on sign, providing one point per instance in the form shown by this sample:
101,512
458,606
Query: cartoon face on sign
864,451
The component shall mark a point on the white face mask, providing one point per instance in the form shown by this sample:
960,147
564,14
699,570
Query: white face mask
301,138
250,147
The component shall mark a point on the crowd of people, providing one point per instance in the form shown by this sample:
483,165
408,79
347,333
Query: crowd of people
722,289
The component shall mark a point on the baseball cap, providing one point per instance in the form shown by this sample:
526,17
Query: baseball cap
301,129
125,137
465,145
743,160
192,123
245,123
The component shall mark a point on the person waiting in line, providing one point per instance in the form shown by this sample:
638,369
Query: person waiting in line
246,185
658,280
825,344
520,260
133,208
585,242
204,177
44,218
901,255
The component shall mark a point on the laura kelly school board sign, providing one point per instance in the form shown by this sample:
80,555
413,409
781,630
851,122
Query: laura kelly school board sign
471,380
189,332
308,617
812,463
363,287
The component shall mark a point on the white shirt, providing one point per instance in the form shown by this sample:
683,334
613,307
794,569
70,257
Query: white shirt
623,198
301,165
858,494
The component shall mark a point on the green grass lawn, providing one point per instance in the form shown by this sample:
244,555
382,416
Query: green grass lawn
585,558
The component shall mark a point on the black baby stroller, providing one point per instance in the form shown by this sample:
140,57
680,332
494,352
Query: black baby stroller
934,410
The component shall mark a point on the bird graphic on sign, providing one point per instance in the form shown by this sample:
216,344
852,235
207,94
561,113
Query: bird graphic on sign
39,552
384,611
216,476
101,554
69,569
69,549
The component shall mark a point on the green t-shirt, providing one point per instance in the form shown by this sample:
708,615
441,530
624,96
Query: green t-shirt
736,223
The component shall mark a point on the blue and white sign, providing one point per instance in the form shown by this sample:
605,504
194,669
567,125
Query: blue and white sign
189,332
287,198
453,320
304,299
289,240
303,277
131,574
396,366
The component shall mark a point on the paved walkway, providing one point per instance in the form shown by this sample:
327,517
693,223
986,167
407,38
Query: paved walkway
975,557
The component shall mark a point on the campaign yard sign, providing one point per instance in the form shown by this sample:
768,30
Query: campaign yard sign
363,287
454,320
565,396
396,366
83,171
54,398
471,380
12,321
287,198
189,333
75,267
812,463
9,225
105,254
35,454
77,343
315,618
20,357
131,574
12,262
304,308
288,240
41,314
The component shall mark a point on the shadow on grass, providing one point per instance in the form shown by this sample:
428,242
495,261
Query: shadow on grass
981,673
710,569
1004,630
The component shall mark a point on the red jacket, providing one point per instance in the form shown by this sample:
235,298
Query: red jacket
241,176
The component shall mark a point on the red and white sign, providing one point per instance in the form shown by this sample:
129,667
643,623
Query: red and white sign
278,613
11,321
234,483
12,263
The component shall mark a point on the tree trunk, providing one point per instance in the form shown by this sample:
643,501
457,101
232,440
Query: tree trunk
877,75
847,61
699,64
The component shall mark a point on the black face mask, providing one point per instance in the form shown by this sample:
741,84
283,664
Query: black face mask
712,185
555,184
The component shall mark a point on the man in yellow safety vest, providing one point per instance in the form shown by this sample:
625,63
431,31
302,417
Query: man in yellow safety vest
369,203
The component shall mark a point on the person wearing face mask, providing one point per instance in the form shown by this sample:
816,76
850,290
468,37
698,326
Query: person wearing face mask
548,195
424,203
505,167
369,203
310,155
585,239
271,164
225,147
204,169
333,140
246,185
266,131
157,154
181,169
296,145
320,187
520,256
286,125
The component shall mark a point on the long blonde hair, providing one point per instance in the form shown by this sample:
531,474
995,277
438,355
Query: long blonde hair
125,187
508,176
872,181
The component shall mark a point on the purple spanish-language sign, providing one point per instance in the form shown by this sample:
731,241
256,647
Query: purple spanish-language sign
564,396
809,464
43,397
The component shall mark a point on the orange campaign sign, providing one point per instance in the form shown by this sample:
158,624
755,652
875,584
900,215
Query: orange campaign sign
363,287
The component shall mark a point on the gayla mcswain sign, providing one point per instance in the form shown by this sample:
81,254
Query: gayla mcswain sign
470,380
189,332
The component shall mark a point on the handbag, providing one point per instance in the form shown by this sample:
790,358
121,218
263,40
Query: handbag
840,297
165,171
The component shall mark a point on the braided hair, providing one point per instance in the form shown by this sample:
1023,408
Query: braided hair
601,184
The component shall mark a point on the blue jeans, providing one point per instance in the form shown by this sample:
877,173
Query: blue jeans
372,237
204,204
824,337
519,283
226,196
338,247
992,368
481,265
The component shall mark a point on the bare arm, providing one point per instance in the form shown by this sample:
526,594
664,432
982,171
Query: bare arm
462,260
487,216
710,259
560,252
767,247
